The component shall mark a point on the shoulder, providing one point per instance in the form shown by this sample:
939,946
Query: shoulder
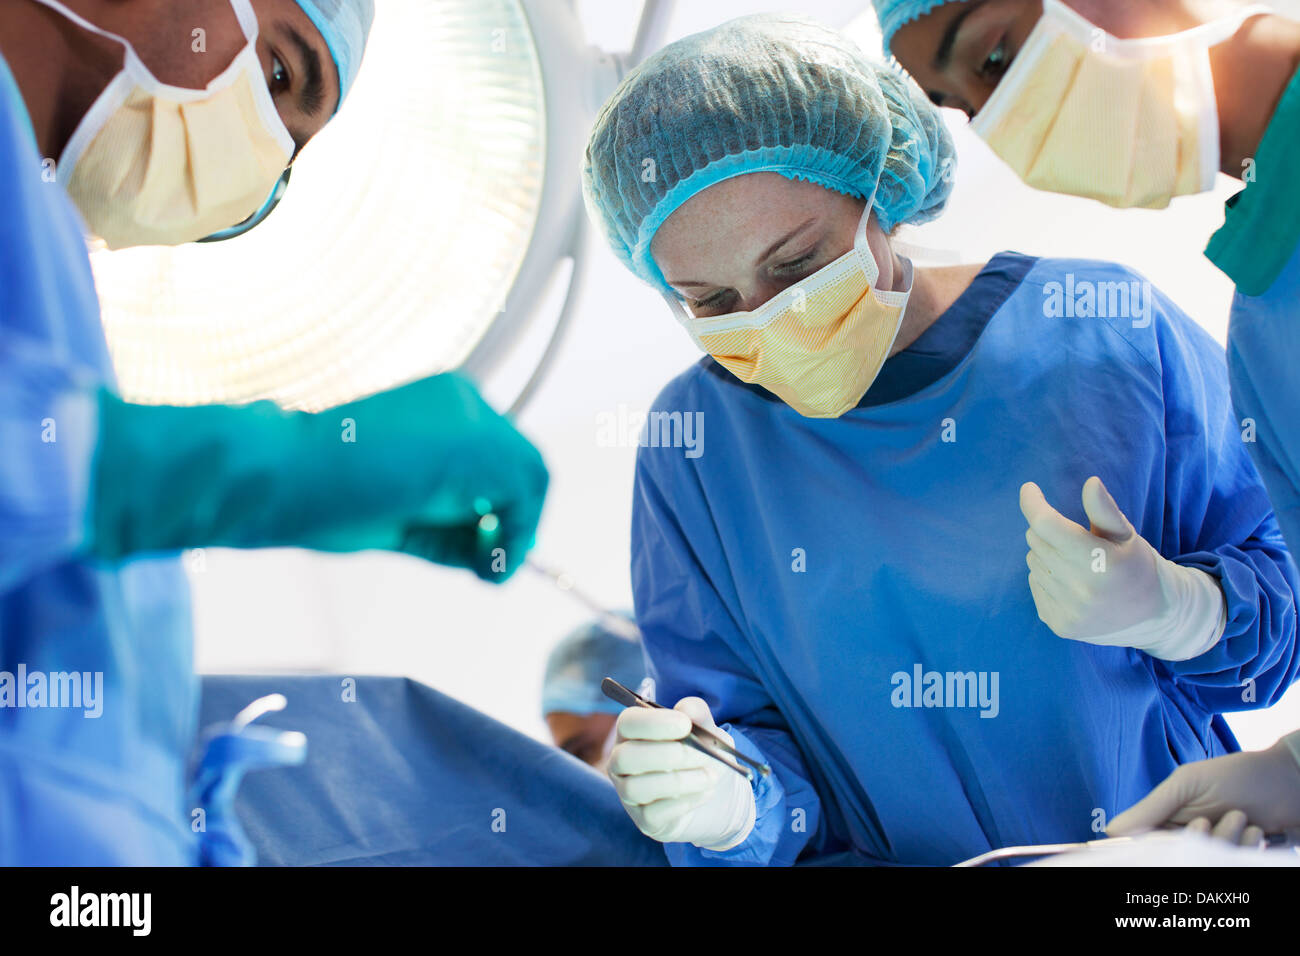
670,433
1120,304
691,387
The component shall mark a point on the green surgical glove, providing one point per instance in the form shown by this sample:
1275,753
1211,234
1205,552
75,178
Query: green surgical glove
413,470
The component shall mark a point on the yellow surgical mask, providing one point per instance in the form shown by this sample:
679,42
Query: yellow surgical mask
818,344
1126,122
152,164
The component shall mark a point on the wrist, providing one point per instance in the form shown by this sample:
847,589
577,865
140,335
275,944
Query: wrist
1194,620
165,478
1291,745
743,816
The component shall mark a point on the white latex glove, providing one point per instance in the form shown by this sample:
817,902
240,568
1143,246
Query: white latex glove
1107,585
1238,798
674,793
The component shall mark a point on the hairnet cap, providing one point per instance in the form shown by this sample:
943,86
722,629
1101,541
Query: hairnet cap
893,14
581,661
345,25
763,93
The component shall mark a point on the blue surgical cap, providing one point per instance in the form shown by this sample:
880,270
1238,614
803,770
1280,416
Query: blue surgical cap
893,14
581,661
345,25
763,93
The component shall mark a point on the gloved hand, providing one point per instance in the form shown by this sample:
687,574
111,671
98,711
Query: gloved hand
412,469
674,793
1107,585
1242,796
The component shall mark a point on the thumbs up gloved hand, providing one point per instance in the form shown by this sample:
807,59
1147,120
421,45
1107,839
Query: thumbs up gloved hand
1107,585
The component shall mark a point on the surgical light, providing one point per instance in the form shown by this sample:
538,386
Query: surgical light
419,231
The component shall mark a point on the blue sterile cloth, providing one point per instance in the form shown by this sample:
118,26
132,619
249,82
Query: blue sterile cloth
400,774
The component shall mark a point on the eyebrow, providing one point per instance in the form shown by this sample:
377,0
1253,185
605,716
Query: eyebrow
771,251
943,56
311,93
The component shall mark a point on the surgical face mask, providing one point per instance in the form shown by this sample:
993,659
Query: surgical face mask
1127,122
818,344
152,164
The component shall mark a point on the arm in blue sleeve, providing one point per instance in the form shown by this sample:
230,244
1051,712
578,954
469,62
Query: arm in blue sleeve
52,358
48,426
1218,519
695,648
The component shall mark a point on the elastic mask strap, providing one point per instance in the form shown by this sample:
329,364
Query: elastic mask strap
898,297
681,314
82,22
247,18
243,13
867,258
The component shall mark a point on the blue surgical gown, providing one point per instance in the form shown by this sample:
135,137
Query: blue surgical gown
75,789
1259,248
1264,367
797,573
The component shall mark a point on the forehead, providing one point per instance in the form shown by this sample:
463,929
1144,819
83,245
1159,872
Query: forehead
745,206
918,40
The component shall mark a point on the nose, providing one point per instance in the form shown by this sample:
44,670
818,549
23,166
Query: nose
762,290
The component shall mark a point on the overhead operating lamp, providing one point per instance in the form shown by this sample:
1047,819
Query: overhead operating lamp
419,232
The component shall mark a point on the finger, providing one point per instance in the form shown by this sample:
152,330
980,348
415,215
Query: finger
698,711
1108,521
1155,809
1230,826
1200,825
1066,536
645,788
1057,586
1253,837
647,756
1042,568
664,817
1039,545
1048,608
652,723
1066,566
1044,603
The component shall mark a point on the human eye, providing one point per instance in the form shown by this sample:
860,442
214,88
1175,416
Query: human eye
997,61
795,266
279,80
712,305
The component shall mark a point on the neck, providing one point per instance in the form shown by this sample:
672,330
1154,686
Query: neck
60,69
1251,71
933,293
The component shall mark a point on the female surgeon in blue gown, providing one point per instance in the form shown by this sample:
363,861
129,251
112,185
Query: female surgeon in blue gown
972,557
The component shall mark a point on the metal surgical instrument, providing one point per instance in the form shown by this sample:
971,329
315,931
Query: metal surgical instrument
705,741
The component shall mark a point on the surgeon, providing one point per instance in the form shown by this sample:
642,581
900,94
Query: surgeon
1188,91
840,589
1135,104
578,714
150,122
